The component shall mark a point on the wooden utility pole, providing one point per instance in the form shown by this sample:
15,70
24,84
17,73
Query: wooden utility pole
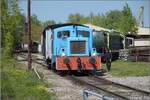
29,39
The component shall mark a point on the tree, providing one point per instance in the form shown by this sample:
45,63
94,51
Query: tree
99,20
75,18
4,18
112,19
7,37
49,22
36,28
11,25
9,42
122,21
35,20
128,22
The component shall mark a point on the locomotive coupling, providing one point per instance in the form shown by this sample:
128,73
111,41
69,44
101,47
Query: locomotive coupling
66,61
92,60
79,64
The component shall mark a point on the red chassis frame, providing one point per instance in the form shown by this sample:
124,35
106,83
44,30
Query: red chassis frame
86,63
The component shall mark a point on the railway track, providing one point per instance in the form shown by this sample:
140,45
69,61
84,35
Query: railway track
116,90
35,59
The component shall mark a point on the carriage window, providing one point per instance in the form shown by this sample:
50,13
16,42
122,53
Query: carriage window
83,33
61,34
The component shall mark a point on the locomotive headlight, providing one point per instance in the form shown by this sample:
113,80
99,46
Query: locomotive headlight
62,52
94,52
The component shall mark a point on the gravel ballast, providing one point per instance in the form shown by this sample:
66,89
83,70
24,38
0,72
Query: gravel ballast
142,83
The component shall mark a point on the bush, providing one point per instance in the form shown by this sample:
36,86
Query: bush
8,45
18,84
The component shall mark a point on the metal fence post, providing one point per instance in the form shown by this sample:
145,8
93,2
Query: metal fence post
87,93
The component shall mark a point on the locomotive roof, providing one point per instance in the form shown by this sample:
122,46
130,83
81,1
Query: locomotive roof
62,25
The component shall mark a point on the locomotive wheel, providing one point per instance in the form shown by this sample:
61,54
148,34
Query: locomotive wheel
53,67
92,72
49,66
62,73
69,72
48,61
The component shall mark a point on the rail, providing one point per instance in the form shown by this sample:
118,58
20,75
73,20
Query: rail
96,87
125,86
113,89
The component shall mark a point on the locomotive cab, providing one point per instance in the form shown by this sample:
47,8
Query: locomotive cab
69,47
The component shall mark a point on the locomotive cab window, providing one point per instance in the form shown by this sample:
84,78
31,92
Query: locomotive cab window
83,33
62,34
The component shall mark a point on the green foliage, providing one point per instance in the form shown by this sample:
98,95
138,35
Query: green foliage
9,42
4,18
35,20
36,28
17,83
128,22
127,68
11,25
122,21
75,18
49,22
113,19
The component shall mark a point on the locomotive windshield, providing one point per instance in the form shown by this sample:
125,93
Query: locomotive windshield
61,34
77,47
83,33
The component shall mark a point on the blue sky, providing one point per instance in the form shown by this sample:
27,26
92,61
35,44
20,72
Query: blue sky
59,10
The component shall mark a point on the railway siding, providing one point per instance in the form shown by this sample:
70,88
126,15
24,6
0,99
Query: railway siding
65,89
110,88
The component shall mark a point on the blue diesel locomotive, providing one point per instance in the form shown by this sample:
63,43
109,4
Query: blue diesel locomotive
68,47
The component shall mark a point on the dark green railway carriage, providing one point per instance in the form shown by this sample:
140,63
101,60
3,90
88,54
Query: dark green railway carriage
99,40
115,41
107,39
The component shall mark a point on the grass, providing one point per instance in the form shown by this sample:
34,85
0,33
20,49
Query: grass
19,84
126,68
